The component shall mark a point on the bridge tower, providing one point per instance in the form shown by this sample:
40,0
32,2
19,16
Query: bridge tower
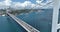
55,25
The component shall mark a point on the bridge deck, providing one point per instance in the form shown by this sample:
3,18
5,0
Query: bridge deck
26,26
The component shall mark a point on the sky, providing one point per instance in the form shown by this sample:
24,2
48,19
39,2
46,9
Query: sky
28,4
33,1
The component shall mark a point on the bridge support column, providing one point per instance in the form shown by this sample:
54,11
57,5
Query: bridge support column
59,30
55,15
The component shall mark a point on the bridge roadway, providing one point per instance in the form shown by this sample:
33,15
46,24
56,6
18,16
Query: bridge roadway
26,26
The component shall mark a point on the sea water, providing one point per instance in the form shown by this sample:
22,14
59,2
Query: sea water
9,25
42,21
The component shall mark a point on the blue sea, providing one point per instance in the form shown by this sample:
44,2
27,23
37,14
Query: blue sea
40,20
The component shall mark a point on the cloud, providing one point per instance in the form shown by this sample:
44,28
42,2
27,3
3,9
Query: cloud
2,5
7,2
26,4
